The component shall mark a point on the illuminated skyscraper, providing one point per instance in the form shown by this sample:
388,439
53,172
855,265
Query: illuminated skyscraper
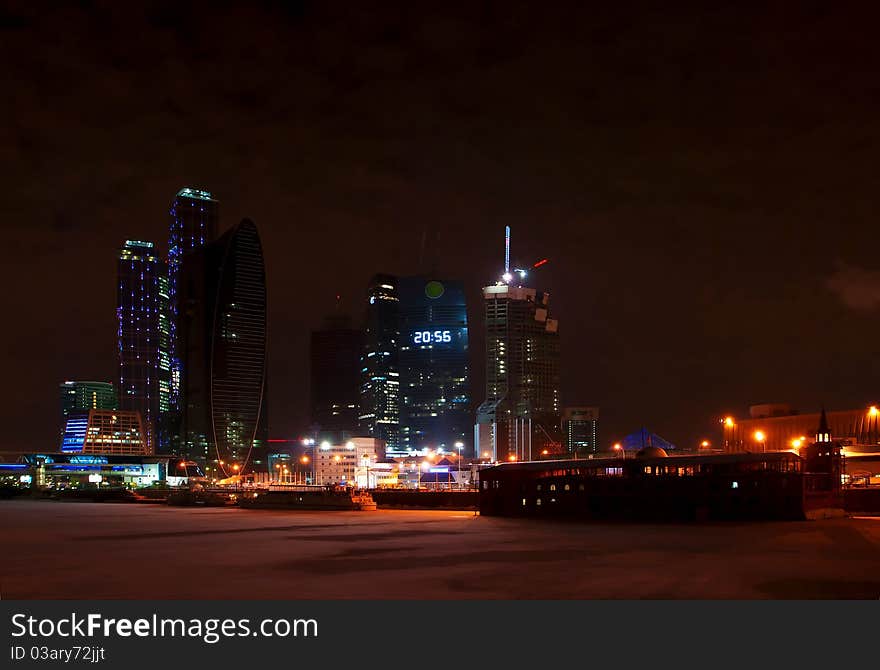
335,354
521,414
222,340
193,224
580,430
77,396
143,338
380,379
433,365
414,368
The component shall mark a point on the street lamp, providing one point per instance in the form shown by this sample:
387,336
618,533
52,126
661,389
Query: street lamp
760,437
619,449
727,428
458,447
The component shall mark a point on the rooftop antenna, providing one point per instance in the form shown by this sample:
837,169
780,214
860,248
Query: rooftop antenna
507,277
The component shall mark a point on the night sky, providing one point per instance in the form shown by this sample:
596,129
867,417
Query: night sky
703,181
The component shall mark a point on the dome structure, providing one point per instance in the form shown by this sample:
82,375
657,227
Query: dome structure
651,452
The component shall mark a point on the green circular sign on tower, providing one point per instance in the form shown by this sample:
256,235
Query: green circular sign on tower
434,289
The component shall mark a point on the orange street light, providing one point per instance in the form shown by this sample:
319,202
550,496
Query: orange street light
759,436
304,459
728,422
511,458
873,411
704,444
796,443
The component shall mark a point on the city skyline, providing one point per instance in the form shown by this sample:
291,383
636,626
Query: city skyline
707,252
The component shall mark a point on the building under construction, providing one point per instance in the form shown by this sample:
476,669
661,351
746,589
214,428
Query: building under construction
520,417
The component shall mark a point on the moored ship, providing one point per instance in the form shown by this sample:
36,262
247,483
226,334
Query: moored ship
307,497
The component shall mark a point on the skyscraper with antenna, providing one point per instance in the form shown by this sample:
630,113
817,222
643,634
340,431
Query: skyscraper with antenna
520,416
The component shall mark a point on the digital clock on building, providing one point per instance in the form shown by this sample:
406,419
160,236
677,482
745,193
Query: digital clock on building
432,337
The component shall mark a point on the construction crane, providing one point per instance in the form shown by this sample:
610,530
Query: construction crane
509,275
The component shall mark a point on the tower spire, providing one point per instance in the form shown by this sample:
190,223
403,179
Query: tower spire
823,434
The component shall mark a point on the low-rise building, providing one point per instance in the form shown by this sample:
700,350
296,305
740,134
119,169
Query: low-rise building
105,431
352,463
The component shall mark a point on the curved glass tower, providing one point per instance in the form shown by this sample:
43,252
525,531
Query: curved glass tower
223,347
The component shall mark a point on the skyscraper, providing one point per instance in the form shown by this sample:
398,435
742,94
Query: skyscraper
580,430
433,365
520,416
143,339
335,356
193,223
84,395
222,340
380,380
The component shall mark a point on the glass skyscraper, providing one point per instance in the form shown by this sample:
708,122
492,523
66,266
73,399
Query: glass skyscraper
414,368
380,379
143,339
222,342
194,216
433,365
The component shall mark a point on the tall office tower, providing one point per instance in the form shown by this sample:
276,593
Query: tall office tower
520,416
580,430
77,396
142,335
433,366
193,224
222,340
380,379
335,356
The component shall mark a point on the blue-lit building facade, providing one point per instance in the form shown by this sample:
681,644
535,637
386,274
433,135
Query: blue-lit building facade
433,365
105,431
143,340
193,223
85,395
222,343
380,379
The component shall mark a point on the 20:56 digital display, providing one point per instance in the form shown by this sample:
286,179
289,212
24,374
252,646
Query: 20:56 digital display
432,336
